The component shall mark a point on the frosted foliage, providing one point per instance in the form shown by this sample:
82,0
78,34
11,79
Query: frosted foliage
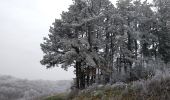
105,43
17,89
155,88
89,60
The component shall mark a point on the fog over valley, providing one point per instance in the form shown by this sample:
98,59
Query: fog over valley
12,88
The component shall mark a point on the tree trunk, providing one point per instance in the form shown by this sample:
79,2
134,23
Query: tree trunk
77,75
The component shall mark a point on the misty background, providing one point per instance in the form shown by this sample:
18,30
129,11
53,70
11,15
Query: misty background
23,24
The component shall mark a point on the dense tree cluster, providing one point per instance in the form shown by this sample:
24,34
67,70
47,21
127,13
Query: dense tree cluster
102,41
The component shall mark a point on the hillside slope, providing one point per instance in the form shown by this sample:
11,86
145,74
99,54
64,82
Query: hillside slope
156,88
18,89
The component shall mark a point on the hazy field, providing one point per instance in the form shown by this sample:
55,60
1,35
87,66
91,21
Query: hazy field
18,89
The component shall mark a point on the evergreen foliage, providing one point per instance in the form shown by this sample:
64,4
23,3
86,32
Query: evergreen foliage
102,41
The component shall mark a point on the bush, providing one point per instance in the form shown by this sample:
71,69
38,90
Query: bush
155,88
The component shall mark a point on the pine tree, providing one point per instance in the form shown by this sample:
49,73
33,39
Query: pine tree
100,40
163,12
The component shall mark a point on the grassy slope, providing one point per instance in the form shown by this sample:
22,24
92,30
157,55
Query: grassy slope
61,96
157,88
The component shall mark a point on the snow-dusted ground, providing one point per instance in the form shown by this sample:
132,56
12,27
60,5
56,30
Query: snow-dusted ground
155,88
18,89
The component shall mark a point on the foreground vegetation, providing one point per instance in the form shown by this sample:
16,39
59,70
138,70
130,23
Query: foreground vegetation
156,88
61,96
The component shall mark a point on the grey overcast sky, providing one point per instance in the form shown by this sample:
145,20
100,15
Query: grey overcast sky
23,24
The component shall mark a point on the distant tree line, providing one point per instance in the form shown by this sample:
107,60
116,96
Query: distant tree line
12,88
103,41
